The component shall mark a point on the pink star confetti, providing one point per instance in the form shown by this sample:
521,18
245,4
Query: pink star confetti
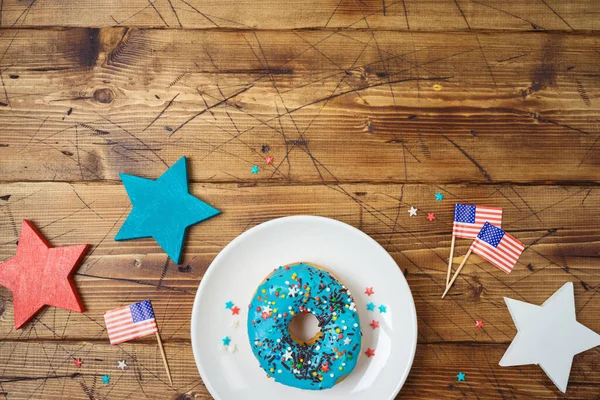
369,291
269,160
235,310
479,324
265,315
374,324
430,216
78,362
370,352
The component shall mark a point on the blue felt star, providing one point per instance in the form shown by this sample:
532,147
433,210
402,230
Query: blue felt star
439,196
163,209
228,305
371,306
382,308
460,376
106,379
226,341
254,169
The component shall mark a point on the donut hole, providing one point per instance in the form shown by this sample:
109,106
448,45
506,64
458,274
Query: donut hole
304,328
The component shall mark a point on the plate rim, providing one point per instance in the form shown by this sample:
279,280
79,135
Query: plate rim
266,225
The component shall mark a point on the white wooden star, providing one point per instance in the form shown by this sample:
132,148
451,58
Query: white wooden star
412,212
548,335
122,364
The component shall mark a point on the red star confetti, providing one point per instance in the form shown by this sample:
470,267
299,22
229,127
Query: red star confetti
479,324
235,310
430,216
374,324
265,315
269,160
78,362
325,367
369,291
40,275
370,352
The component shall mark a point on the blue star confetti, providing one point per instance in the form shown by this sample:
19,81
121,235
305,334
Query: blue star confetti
228,305
461,377
371,306
382,309
255,169
226,341
439,196
106,379
163,209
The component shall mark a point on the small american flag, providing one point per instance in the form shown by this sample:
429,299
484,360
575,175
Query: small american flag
469,219
130,322
498,247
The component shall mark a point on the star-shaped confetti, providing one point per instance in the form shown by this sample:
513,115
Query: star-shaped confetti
439,196
461,377
325,367
265,315
347,341
267,309
370,352
254,169
374,324
269,160
235,324
382,309
293,291
78,362
233,348
412,212
369,291
479,324
226,340
235,310
121,364
371,306
40,275
228,305
163,209
265,148
106,379
430,216
287,355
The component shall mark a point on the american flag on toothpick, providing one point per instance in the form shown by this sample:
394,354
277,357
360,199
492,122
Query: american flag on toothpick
469,219
130,322
498,247
134,321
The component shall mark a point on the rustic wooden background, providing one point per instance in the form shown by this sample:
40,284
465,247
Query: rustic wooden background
368,106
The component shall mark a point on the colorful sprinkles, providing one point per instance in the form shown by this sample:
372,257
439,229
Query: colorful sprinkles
303,288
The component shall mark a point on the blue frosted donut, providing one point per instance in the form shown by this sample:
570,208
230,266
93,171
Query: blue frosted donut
304,288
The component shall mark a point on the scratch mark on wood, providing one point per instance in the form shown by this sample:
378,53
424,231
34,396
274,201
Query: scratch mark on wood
158,12
175,12
479,167
557,14
161,112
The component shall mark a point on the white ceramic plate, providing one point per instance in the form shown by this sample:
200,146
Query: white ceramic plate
356,259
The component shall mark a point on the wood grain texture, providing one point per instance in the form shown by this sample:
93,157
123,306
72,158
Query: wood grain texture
368,106
32,369
88,104
558,224
440,15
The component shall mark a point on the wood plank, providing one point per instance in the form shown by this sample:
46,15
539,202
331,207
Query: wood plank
560,224
439,15
45,369
85,104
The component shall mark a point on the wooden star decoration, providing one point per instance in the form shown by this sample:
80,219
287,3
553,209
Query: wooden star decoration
163,209
40,275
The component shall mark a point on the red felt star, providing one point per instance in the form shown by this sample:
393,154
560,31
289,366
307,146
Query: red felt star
269,160
479,324
430,216
40,275
78,362
374,324
370,352
369,291
235,310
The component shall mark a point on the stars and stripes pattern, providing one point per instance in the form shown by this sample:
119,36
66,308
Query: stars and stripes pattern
469,219
498,247
130,322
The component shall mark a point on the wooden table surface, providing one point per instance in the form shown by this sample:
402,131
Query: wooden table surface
368,106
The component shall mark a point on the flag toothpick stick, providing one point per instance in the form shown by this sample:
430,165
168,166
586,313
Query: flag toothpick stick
460,267
164,357
450,260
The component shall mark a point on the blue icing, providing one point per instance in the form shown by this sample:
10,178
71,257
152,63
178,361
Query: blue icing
281,296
